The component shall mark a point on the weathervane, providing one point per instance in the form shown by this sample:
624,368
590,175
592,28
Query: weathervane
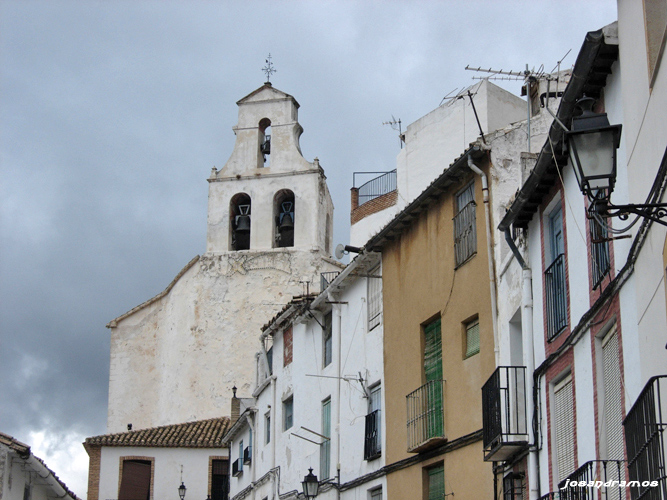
268,69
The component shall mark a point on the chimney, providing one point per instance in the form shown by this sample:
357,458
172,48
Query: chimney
236,407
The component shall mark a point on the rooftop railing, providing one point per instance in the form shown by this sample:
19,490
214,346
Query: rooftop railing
374,188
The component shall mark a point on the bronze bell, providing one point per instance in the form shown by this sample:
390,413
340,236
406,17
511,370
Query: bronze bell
287,223
243,223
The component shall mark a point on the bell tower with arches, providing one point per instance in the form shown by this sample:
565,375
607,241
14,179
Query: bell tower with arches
288,195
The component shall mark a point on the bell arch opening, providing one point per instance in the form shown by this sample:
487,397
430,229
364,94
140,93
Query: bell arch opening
239,214
265,140
283,211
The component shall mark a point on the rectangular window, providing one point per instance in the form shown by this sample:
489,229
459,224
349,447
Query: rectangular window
219,480
288,413
240,460
373,434
513,486
287,346
563,416
327,340
613,407
135,483
267,428
554,276
374,297
599,252
375,494
465,232
325,447
472,338
436,482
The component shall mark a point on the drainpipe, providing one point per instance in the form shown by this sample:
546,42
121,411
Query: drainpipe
337,308
529,360
489,253
249,419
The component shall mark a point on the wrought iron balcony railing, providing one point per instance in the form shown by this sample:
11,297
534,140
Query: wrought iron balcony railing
327,278
599,477
505,430
373,436
426,416
237,467
554,286
381,185
644,426
553,495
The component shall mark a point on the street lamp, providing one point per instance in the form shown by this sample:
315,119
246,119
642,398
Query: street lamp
311,485
592,143
181,490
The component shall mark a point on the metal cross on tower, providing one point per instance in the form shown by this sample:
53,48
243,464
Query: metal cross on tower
268,69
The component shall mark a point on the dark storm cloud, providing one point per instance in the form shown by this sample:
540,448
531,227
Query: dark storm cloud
113,113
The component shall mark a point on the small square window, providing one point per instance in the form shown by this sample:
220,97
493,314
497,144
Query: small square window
472,338
288,413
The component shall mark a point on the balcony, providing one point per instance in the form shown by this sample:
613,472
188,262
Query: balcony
237,467
426,416
376,187
247,455
553,495
373,436
644,426
327,278
554,285
504,413
594,472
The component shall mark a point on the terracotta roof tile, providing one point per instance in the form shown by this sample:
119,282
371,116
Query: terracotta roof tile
198,434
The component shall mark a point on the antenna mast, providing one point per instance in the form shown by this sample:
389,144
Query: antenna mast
393,124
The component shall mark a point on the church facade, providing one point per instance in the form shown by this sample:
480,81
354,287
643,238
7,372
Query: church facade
176,357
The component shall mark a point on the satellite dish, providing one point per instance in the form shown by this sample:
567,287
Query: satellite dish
340,251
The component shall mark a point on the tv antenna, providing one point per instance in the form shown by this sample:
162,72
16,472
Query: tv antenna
393,124
269,69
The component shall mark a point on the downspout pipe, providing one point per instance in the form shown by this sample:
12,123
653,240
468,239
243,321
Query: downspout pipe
529,360
489,253
337,308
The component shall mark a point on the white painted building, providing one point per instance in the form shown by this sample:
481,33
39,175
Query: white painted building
430,145
585,314
318,399
175,357
153,463
23,476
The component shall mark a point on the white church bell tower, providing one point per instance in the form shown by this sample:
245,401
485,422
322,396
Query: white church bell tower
176,357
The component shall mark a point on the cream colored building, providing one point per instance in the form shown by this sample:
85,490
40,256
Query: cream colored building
175,357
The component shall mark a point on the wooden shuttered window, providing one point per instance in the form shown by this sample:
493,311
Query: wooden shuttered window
136,480
325,447
433,373
564,422
436,483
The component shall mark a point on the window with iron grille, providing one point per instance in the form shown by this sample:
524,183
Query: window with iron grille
326,340
465,233
288,413
373,433
555,287
513,486
374,297
599,252
325,447
472,337
436,482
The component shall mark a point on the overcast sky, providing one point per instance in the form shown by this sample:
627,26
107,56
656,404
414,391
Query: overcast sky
113,114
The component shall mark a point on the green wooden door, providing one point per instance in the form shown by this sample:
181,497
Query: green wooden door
433,373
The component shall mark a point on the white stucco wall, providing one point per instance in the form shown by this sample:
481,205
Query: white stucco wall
167,473
645,144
